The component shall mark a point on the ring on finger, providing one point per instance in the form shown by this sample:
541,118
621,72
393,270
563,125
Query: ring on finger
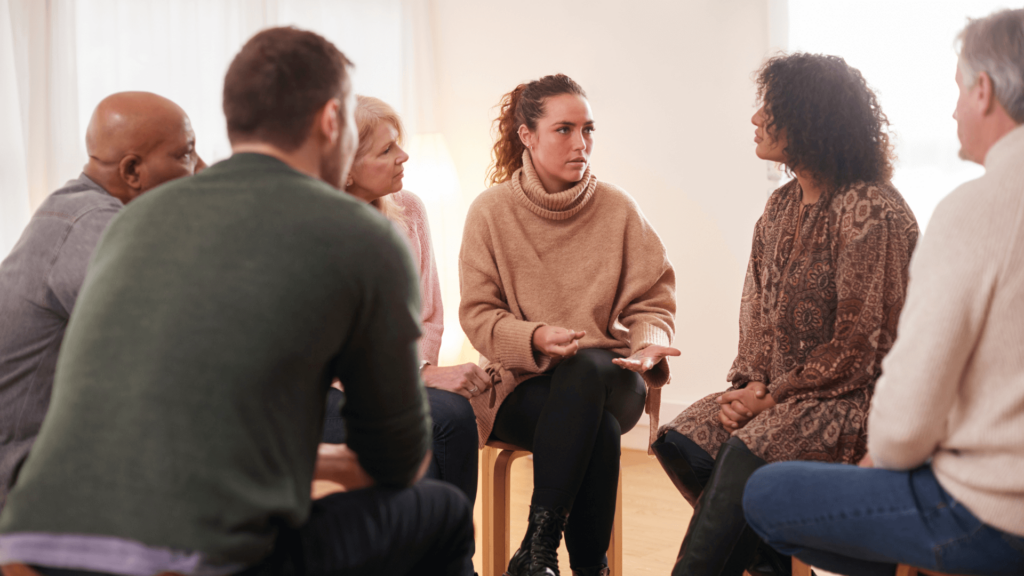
473,389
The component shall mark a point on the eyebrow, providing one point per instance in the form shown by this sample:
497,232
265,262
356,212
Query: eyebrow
568,123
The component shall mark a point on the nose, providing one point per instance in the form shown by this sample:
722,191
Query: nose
580,142
200,165
402,157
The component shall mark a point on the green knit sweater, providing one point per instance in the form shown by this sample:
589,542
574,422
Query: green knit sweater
189,395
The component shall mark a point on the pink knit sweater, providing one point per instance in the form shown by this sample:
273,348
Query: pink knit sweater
413,221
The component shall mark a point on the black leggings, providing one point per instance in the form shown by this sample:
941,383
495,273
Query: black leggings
572,419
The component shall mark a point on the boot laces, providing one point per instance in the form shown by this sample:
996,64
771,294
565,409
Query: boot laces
544,544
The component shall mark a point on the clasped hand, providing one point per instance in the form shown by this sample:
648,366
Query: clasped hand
740,406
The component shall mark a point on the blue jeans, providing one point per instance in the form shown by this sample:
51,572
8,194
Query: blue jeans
864,521
456,455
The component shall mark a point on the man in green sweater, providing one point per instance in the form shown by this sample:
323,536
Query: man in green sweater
189,396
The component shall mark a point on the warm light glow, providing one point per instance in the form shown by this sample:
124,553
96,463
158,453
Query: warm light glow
430,174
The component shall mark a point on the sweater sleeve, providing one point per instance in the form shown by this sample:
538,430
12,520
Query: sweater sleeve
650,294
486,316
430,283
751,363
385,410
871,255
953,275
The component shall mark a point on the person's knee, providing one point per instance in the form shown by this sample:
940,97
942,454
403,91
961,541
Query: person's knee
452,414
584,371
457,509
761,496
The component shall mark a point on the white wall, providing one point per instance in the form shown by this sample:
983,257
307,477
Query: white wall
670,84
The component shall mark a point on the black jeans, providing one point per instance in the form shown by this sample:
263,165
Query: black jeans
425,529
572,419
456,455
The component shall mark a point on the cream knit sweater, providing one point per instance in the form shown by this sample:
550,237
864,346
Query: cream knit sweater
952,388
584,259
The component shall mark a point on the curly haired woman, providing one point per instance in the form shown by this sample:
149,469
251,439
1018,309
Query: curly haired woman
562,277
824,288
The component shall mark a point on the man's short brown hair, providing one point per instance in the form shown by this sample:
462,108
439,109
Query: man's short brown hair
278,82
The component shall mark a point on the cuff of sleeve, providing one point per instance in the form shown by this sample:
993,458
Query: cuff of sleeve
643,335
513,340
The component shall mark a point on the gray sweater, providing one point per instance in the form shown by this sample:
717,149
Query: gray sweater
39,283
189,396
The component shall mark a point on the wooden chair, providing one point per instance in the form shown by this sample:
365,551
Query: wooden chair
496,460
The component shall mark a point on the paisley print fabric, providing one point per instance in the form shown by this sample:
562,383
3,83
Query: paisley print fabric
824,288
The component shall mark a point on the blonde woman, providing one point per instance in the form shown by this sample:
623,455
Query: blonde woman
376,178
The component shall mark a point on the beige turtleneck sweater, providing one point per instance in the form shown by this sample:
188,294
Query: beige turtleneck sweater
584,259
952,387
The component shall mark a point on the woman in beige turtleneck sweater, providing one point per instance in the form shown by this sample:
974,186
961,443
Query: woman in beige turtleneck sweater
568,294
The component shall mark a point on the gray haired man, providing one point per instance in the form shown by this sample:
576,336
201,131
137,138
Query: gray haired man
942,487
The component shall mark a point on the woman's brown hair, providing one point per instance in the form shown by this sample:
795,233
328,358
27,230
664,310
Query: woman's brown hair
524,105
832,122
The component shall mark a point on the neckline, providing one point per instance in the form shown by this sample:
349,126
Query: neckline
530,192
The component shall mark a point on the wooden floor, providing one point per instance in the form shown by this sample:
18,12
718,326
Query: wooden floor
654,515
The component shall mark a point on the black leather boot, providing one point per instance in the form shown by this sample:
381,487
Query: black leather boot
718,541
678,469
538,555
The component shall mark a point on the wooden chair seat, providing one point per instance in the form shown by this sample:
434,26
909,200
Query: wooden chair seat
496,460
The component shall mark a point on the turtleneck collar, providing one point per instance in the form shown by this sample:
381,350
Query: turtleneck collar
530,192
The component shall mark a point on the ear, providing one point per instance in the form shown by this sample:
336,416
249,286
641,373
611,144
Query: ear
525,136
329,122
130,170
985,96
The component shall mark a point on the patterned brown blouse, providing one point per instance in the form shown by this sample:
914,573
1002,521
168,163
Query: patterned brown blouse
822,297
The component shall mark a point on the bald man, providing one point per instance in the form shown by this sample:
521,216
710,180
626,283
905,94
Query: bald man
136,141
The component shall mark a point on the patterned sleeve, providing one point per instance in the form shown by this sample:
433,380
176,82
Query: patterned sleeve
874,235
751,363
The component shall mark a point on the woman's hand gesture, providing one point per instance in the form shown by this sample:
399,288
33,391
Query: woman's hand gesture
646,359
466,380
557,342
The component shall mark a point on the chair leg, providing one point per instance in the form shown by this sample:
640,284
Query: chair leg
799,568
487,504
615,546
497,510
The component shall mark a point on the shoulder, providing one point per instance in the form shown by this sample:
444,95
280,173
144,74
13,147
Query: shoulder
977,208
410,202
495,200
861,204
781,197
77,200
611,195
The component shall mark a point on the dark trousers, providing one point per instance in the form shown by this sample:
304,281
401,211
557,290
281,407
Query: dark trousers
456,455
572,419
423,530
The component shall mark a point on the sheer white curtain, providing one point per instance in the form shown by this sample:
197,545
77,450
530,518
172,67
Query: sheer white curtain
181,49
39,145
